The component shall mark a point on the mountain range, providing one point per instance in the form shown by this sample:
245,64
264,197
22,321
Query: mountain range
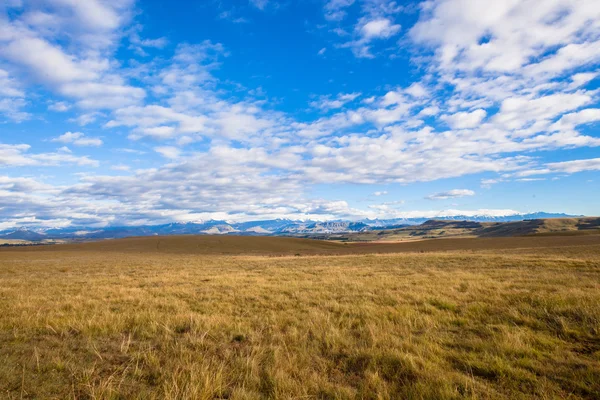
276,227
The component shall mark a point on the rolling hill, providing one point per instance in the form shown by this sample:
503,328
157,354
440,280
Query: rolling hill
437,229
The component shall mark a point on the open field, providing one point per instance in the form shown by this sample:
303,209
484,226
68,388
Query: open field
246,318
281,246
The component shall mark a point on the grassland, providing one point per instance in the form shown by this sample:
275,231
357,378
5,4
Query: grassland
192,317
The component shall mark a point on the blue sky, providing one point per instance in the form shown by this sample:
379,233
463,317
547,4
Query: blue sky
121,112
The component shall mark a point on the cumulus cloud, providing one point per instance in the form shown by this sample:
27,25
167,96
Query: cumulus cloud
81,80
18,155
375,23
78,139
381,28
38,203
464,120
366,31
507,36
168,151
82,71
571,120
451,194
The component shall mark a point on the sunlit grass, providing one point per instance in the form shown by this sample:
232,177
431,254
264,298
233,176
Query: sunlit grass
434,326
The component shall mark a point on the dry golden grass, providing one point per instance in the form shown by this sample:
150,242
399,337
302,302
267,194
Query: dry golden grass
497,324
277,246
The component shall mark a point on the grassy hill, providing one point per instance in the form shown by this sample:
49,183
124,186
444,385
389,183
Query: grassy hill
436,229
537,226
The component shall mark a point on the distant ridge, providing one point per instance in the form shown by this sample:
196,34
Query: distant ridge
277,227
446,229
517,228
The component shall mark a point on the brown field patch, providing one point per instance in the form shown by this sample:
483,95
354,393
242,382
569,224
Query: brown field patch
263,245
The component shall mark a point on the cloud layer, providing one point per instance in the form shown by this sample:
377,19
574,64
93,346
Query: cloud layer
495,88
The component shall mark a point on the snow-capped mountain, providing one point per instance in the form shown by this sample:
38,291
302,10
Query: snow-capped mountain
326,227
267,227
24,234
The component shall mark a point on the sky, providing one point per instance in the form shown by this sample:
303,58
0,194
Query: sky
117,112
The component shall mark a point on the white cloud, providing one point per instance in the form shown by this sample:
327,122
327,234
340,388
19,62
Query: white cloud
429,111
93,14
83,69
68,137
12,98
139,44
93,95
335,10
465,120
168,151
507,35
417,90
531,179
9,86
88,142
12,108
366,31
487,183
381,28
567,167
381,193
86,118
130,151
230,15
59,106
517,112
572,120
18,156
582,78
260,4
325,103
120,167
374,25
78,139
137,199
191,108
451,194
48,62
